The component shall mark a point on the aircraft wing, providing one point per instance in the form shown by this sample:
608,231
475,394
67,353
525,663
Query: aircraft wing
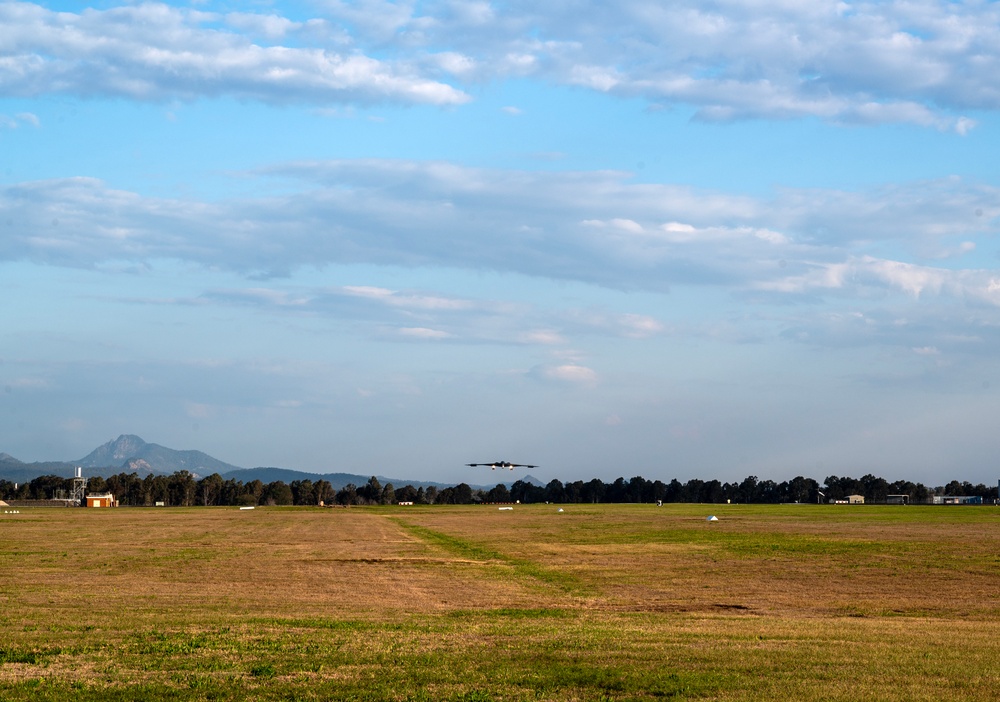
502,464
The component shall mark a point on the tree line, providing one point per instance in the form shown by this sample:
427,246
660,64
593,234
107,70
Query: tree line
184,489
750,490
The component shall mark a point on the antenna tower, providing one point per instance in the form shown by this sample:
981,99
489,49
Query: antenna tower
79,487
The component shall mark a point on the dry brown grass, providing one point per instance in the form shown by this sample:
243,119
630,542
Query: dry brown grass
285,562
819,562
612,602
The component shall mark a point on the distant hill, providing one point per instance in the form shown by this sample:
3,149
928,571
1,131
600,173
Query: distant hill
19,472
159,459
126,454
130,454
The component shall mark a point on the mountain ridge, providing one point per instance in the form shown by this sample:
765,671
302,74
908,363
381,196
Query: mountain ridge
160,459
129,453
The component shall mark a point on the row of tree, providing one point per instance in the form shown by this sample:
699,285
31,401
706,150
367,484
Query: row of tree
749,490
184,489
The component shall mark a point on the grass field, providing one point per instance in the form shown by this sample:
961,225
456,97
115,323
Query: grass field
603,602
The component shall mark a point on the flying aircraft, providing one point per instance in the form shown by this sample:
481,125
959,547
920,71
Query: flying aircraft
501,464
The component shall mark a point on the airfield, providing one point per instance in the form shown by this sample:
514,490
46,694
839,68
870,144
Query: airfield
471,603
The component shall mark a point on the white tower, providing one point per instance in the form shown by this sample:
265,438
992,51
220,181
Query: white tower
79,487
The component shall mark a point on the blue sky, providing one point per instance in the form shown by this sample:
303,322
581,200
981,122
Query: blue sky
683,239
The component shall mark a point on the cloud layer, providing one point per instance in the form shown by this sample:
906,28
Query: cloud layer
911,266
926,63
157,52
593,227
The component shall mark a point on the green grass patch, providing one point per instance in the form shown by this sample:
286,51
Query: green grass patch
9,655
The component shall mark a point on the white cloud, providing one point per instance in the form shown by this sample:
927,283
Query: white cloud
472,321
679,233
408,301
18,120
638,325
910,278
905,112
621,224
455,64
627,325
963,125
591,227
926,328
922,63
377,20
156,52
28,118
269,26
856,274
473,12
570,373
627,225
423,333
544,337
678,228
368,291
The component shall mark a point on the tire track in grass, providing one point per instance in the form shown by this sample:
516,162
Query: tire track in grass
522,568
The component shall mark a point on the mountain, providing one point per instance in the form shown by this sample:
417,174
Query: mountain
19,472
137,466
130,454
114,452
155,458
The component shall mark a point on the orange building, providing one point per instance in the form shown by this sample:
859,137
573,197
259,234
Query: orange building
105,500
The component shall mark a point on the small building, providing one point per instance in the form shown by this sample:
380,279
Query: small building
102,500
855,499
958,500
897,499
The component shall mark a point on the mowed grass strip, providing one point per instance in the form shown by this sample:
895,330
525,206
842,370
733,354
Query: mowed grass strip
521,567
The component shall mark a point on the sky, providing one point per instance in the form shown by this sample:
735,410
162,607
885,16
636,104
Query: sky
611,238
